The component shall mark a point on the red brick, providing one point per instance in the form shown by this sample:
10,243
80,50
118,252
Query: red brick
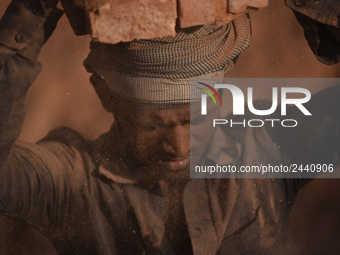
198,12
125,20
112,21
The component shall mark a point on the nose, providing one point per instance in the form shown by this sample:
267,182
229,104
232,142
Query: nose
177,141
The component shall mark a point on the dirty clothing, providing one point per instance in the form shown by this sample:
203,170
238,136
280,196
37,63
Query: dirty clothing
62,188
321,23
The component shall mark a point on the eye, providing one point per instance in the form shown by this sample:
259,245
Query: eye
150,127
186,122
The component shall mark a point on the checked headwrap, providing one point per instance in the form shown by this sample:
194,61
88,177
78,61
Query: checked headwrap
157,72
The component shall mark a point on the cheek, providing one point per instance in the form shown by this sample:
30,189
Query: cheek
146,145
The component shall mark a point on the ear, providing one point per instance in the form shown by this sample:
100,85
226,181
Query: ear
104,93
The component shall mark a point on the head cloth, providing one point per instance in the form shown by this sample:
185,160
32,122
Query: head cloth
157,72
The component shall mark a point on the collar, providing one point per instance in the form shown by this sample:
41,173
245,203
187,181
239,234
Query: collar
102,171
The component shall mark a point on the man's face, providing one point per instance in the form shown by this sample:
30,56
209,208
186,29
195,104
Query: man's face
157,142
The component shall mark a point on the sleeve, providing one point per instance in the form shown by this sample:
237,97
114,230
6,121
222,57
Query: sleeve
36,184
321,23
24,28
316,139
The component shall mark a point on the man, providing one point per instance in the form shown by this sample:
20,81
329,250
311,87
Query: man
128,192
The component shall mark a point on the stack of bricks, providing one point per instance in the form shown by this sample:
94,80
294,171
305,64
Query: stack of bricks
113,21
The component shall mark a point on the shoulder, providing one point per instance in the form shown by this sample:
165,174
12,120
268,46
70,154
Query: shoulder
61,159
68,137
38,178
60,148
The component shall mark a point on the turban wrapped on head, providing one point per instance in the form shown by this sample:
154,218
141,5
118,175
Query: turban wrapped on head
157,72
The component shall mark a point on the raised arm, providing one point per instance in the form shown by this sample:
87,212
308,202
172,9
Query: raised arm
24,28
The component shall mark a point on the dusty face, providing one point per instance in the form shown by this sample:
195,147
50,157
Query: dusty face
157,142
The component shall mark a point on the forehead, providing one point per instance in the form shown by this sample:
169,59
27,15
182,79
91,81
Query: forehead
172,115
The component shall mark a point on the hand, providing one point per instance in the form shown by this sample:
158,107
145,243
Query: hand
28,24
47,9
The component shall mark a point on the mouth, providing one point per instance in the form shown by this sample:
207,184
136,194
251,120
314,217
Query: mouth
177,164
